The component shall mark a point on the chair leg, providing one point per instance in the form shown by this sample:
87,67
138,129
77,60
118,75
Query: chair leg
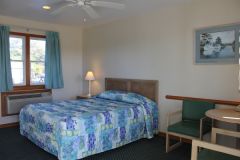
167,143
172,147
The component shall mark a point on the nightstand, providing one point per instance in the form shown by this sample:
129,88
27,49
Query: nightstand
83,97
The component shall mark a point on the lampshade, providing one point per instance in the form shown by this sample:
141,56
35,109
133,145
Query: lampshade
89,76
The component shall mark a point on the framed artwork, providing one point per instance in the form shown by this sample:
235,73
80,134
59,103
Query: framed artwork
217,44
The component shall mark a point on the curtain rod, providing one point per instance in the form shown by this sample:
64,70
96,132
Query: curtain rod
25,28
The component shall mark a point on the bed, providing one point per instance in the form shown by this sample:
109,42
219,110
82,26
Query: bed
74,129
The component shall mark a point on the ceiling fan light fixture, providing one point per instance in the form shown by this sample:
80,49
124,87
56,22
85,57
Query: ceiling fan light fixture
46,7
87,5
81,3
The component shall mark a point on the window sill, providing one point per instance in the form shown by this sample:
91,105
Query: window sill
26,89
33,87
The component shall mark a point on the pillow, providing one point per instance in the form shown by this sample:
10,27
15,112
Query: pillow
122,96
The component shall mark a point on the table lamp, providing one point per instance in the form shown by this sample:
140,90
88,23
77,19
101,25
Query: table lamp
89,77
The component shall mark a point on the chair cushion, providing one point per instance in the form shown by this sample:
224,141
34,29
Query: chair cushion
195,110
186,128
206,154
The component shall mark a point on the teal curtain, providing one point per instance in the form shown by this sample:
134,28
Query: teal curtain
53,66
6,83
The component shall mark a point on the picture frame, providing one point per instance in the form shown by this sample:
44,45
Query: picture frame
217,45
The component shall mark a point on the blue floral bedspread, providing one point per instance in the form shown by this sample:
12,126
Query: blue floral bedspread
75,129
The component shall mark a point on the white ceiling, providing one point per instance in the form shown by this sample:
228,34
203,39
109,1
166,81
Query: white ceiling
32,10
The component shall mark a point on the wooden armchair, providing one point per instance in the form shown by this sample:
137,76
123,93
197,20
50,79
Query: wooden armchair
212,151
193,123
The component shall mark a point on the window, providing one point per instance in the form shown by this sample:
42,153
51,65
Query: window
17,56
37,57
27,54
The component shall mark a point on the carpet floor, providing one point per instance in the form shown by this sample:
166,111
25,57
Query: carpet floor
13,146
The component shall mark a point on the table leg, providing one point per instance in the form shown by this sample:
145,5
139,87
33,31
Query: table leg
238,140
214,135
213,124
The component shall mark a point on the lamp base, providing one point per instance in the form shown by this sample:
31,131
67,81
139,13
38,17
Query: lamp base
89,89
89,95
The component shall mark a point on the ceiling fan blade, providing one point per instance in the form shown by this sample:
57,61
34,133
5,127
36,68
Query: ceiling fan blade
73,1
60,9
58,4
90,11
107,4
70,0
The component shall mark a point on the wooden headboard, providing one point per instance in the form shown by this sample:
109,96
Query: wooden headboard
147,88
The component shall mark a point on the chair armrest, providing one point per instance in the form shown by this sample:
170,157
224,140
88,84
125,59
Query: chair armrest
202,120
214,147
205,119
172,114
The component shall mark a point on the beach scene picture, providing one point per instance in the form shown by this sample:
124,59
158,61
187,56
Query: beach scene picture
217,45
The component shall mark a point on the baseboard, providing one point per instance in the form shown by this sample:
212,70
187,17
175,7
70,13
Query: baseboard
163,134
9,125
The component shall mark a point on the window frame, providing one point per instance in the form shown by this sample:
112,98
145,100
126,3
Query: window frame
27,71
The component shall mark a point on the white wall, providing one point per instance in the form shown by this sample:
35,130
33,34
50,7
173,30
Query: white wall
160,45
71,44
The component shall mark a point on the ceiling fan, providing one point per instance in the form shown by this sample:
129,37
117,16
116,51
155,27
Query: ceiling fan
86,5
